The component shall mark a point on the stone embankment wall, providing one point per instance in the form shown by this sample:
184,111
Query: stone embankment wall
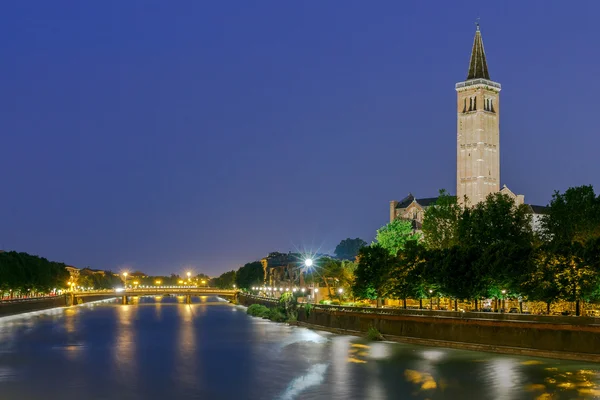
556,337
24,306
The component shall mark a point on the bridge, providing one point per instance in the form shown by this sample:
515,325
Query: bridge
188,292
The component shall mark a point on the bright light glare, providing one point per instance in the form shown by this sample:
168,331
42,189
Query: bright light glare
308,262
118,290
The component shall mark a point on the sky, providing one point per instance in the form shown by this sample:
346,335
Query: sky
173,135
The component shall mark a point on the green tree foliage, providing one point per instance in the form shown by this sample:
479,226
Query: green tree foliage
573,216
440,223
251,274
372,271
571,230
409,274
395,234
224,281
24,273
348,248
332,274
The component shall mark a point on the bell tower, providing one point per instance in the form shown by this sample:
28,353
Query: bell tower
478,130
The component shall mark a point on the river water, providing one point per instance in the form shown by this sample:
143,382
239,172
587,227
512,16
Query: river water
164,349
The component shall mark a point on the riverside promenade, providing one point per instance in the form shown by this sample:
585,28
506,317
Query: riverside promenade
561,337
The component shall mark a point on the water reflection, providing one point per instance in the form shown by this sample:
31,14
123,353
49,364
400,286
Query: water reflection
124,349
157,349
186,347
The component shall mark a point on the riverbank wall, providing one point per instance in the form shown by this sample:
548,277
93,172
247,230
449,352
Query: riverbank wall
23,306
574,338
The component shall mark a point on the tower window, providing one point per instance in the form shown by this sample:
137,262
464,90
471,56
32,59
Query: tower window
491,106
465,106
475,103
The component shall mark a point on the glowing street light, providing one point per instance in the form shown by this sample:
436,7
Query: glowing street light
308,262
189,274
340,290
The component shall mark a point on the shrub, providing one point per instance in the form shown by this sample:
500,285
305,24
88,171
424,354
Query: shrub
258,310
374,334
276,315
335,302
292,317
307,309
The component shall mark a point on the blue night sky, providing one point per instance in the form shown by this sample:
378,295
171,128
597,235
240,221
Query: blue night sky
158,135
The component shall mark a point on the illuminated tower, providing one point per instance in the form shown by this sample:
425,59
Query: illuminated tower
478,130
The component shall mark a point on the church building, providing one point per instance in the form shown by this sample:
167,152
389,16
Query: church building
478,144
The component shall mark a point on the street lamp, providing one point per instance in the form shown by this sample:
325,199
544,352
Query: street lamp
503,301
430,300
308,262
125,276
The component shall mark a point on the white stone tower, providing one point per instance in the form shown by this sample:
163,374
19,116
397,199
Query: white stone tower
478,130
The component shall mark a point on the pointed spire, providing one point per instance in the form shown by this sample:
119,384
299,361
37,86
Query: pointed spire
478,65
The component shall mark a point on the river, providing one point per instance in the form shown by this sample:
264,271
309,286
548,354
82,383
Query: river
164,349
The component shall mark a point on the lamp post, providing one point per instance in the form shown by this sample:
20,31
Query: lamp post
503,303
308,263
430,300
125,277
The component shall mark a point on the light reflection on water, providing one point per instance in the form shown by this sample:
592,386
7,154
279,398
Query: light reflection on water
163,348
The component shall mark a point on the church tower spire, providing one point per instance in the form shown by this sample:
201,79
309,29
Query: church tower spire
478,65
478,130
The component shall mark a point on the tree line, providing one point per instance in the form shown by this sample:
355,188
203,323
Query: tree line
491,250
25,274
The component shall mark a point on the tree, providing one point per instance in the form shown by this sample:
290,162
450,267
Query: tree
572,216
409,275
348,248
334,273
372,271
394,235
224,281
571,228
250,275
440,223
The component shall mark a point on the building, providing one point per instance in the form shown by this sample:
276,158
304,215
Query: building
90,271
282,270
478,144
73,272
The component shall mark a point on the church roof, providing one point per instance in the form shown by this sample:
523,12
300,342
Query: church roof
538,209
478,66
424,202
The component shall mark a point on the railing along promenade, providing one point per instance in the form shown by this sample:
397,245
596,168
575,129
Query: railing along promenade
446,314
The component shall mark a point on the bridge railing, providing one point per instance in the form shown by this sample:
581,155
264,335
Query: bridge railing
158,290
